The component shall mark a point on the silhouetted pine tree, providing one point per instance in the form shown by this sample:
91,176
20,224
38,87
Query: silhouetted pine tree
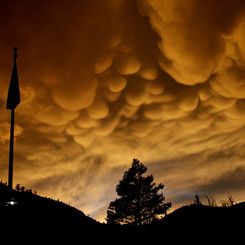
140,201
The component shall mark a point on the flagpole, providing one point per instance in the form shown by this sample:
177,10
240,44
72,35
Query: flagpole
13,100
11,152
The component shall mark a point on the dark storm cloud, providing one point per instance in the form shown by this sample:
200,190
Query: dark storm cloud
231,182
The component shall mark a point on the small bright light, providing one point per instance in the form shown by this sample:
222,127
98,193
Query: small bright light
11,203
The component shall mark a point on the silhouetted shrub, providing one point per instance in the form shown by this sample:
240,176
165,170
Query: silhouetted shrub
197,200
17,188
230,202
20,188
211,201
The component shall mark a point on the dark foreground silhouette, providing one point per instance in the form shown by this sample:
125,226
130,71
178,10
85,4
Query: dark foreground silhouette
38,220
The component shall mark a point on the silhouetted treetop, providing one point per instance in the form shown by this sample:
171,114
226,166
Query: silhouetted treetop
140,202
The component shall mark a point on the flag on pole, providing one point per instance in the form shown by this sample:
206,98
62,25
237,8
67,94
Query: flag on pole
13,98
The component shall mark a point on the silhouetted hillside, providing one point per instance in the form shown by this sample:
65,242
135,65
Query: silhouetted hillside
196,224
33,215
30,208
46,220
202,215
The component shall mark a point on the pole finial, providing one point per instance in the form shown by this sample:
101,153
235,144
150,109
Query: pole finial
15,52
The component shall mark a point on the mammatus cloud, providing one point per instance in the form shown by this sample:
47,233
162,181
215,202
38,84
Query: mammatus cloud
103,82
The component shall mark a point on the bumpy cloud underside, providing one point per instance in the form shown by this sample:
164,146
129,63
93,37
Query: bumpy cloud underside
103,82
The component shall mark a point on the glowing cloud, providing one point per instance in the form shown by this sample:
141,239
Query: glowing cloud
103,82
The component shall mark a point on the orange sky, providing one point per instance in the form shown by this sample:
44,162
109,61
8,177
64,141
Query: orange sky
106,81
